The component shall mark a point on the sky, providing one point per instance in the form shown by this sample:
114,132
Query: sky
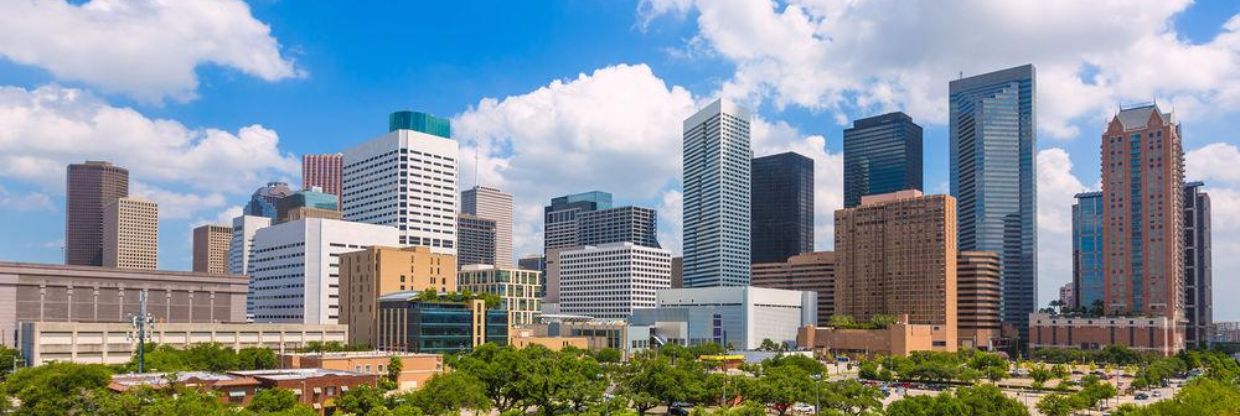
206,100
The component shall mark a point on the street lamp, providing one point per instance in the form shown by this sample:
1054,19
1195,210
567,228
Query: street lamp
817,392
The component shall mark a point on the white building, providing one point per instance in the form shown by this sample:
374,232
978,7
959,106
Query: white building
294,275
243,229
738,317
716,179
405,179
610,280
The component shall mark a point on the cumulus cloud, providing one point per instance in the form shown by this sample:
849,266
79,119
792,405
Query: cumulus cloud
31,201
184,169
147,49
1057,186
876,56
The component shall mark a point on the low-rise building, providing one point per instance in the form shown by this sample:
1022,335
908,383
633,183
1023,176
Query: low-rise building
524,337
1150,334
316,387
409,323
599,333
736,317
415,369
114,343
900,338
232,389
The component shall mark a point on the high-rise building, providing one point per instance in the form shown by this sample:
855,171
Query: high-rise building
588,219
1067,295
496,205
811,272
609,281
993,145
294,269
475,240
881,154
211,248
367,274
322,171
308,203
242,249
978,323
560,218
1143,214
406,179
1087,250
263,201
89,187
716,178
517,288
896,254
782,210
131,234
1198,268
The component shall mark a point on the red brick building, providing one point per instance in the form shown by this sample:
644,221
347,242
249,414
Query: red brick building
316,387
1157,335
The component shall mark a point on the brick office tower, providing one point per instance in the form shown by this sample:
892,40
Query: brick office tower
978,294
1142,195
88,188
323,171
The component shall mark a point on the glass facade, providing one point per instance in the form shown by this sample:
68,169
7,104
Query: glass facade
1198,270
560,218
419,121
993,145
782,211
717,163
263,202
412,325
1087,253
882,154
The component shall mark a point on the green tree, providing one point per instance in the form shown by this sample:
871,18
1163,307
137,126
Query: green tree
272,401
849,397
394,368
449,394
977,400
780,387
648,380
9,360
361,400
56,388
609,356
1056,405
498,369
257,358
1202,396
554,381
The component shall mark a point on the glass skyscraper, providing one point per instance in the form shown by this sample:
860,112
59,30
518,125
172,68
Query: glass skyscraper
1198,270
716,179
882,154
993,125
1087,275
421,122
782,218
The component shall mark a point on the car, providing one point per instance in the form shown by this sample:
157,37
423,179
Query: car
1078,372
1157,394
1142,396
678,411
803,408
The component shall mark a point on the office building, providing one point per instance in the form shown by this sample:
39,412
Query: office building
678,272
517,289
242,248
896,255
736,317
716,178
496,205
263,201
32,292
323,171
371,272
810,272
532,262
1198,267
475,238
1143,214
993,150
900,338
295,268
415,369
131,234
882,154
1228,332
1087,253
114,343
560,218
89,187
589,219
211,248
408,323
611,280
308,203
978,323
406,179
782,211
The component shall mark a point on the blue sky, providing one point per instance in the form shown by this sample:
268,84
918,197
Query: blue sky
206,100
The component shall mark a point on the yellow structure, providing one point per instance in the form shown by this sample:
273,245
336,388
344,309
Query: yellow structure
367,274
524,337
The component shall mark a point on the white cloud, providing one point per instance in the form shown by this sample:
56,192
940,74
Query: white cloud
31,201
1056,189
1214,162
148,49
777,137
176,205
875,56
671,221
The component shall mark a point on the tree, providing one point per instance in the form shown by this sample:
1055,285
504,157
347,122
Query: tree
850,397
361,400
609,356
651,379
769,345
977,400
1202,396
57,388
395,367
272,401
8,360
1056,405
1040,376
780,387
498,369
450,393
256,358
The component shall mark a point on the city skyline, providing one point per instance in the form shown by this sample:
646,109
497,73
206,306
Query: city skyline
662,89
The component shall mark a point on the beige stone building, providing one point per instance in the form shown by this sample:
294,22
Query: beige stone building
415,369
131,234
896,255
211,245
811,272
977,299
367,274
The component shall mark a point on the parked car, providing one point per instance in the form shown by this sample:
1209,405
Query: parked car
678,411
1142,396
803,408
1156,393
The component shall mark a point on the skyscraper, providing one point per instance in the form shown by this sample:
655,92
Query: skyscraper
131,234
263,201
475,238
406,179
211,247
494,204
896,254
977,299
716,179
881,154
588,219
560,218
1143,216
1198,270
782,214
993,125
88,188
322,171
1087,249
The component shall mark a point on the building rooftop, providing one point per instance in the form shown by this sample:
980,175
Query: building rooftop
294,373
125,381
1135,118
360,354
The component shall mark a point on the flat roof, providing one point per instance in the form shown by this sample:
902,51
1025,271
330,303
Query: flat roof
295,373
360,354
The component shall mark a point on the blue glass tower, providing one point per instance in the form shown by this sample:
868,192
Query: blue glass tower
782,207
993,124
418,121
882,154
1087,270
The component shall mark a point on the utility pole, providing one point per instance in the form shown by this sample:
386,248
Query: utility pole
140,324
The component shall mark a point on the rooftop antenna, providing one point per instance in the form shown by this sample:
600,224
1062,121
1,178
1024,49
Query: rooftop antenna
476,146
140,323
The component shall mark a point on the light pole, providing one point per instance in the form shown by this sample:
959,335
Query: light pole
817,392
